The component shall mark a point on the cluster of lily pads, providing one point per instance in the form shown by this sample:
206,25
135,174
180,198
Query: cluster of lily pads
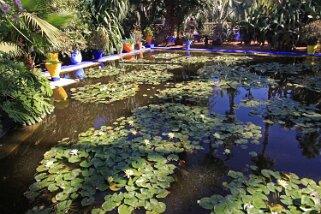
166,56
130,164
188,91
268,192
279,68
148,74
104,93
286,111
226,60
107,71
312,83
233,77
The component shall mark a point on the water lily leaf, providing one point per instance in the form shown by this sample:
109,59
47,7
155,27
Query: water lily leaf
206,203
87,201
109,205
157,206
98,211
133,202
162,194
124,209
114,188
64,206
62,196
53,187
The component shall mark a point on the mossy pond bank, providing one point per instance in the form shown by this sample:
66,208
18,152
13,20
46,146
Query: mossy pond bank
170,133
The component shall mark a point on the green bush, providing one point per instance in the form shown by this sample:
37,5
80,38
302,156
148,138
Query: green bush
24,94
281,24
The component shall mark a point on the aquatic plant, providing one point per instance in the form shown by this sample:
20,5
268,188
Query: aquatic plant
276,68
224,60
104,72
286,111
268,192
104,93
188,91
166,56
130,163
147,74
233,77
312,83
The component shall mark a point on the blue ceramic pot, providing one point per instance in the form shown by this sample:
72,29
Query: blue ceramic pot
98,54
76,57
188,44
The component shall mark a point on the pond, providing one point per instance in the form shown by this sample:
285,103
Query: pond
173,133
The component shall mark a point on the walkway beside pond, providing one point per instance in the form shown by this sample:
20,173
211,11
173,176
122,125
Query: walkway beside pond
239,51
86,64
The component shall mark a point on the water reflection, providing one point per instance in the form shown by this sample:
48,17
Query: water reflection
310,143
263,161
80,74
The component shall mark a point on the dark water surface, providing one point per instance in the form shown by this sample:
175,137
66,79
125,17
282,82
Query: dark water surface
200,174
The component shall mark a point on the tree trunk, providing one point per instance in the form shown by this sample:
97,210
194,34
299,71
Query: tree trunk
170,21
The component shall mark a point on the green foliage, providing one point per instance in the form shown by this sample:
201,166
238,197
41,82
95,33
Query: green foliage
24,94
104,93
280,24
99,39
311,32
130,162
109,14
148,31
268,192
27,26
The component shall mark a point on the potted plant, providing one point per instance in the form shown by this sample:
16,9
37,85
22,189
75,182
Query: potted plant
148,32
53,66
311,33
99,42
137,35
128,45
78,44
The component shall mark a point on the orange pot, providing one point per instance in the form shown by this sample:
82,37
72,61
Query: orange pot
149,39
128,47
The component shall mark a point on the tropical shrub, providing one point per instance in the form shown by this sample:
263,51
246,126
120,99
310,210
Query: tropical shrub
32,25
109,14
279,24
311,33
24,94
99,39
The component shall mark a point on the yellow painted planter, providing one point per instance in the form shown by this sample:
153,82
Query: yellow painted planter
54,69
312,49
53,66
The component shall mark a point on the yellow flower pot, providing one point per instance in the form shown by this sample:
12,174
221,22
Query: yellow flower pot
53,66
54,69
310,49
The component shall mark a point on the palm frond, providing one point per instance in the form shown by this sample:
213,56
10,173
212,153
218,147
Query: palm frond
11,49
52,33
